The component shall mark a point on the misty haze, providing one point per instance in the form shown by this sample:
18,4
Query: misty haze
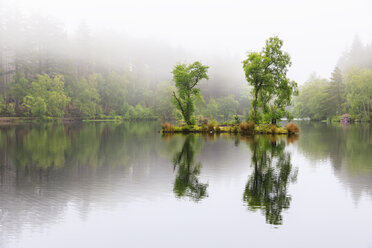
175,123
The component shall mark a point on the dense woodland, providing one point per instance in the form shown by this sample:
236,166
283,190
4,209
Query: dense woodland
348,91
48,72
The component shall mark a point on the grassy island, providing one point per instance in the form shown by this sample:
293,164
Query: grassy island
272,91
247,128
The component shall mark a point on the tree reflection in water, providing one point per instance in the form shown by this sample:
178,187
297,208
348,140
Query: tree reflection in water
267,187
187,182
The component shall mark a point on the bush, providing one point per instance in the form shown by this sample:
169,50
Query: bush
244,127
218,129
186,128
210,128
167,127
251,125
247,127
204,128
272,128
292,128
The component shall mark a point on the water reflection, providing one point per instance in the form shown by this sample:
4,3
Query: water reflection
187,182
47,171
267,187
346,148
44,169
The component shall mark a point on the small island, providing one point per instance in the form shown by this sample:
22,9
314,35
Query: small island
247,128
272,91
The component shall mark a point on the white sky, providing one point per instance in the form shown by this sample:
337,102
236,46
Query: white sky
315,32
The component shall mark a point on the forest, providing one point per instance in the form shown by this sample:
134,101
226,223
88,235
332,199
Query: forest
46,73
348,91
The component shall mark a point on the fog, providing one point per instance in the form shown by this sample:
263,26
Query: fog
219,33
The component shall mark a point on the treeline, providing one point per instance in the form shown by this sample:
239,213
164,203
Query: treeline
96,96
111,96
46,71
348,91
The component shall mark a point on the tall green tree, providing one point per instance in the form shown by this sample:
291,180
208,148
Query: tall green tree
227,107
46,97
359,93
335,92
312,99
186,78
87,97
18,89
266,72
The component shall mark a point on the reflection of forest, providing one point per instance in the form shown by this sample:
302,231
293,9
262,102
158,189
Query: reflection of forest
267,187
45,168
53,146
187,181
348,148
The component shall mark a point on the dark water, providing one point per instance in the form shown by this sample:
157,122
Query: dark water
124,185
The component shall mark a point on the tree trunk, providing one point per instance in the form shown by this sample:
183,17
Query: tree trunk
255,105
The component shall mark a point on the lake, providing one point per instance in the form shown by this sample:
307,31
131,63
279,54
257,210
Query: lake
126,185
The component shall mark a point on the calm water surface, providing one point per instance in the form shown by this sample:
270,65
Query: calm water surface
126,185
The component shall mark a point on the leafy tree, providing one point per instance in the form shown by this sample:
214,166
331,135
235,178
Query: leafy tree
266,72
186,78
162,100
335,92
18,89
359,93
46,96
227,107
211,110
113,91
244,101
2,104
320,99
312,99
87,96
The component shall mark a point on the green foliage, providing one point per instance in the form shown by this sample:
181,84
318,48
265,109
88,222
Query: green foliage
186,78
320,99
211,110
2,104
312,99
227,107
237,119
359,93
266,72
18,88
46,97
87,97
335,92
38,106
162,101
113,91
